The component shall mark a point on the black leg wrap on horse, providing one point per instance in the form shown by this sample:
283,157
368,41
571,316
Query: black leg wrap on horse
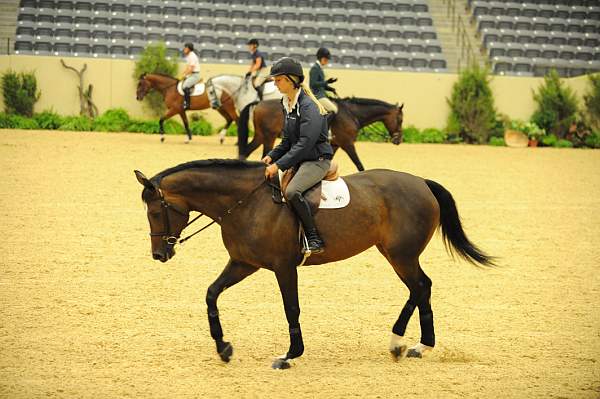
400,325
216,332
427,334
213,313
296,343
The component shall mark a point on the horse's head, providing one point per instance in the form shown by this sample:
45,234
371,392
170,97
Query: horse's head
167,218
394,124
143,87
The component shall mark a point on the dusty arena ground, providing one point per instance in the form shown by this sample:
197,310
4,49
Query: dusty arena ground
85,312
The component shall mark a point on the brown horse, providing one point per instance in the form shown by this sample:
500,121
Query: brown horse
167,86
354,114
396,212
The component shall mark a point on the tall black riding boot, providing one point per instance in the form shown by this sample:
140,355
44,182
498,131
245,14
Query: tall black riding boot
302,209
186,98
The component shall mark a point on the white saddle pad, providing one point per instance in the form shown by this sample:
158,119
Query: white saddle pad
196,91
334,193
269,88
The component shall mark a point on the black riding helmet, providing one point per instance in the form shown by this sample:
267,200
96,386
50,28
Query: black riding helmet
289,67
189,46
252,41
323,53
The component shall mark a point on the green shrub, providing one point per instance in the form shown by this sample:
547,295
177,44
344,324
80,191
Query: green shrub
562,143
497,141
556,106
591,99
232,131
472,112
154,59
48,119
201,127
532,130
136,126
593,140
375,132
20,92
15,121
172,127
76,124
113,120
549,140
432,135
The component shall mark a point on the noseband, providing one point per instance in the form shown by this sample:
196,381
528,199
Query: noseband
166,233
396,134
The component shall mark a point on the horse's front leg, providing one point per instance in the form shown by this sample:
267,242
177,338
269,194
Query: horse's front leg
287,278
233,273
161,121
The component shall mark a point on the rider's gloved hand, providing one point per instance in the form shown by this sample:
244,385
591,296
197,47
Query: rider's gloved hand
331,80
331,89
248,74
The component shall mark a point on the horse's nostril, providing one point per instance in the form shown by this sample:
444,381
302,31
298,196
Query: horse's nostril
156,256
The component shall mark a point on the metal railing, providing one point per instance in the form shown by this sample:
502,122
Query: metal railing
459,24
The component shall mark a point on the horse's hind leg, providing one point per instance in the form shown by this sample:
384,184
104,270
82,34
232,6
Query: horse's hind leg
186,125
419,285
233,273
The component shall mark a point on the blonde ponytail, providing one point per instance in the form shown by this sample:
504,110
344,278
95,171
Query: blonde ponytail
310,94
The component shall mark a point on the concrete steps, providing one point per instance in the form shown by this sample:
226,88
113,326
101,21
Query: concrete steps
8,24
455,53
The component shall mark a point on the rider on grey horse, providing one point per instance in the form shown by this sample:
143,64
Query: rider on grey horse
191,73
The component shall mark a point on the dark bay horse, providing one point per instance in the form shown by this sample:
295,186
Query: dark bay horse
396,212
167,86
354,114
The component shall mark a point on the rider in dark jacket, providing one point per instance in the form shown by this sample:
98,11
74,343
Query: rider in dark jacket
304,145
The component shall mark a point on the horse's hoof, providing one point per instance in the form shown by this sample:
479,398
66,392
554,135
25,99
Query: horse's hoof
398,352
281,364
414,353
162,139
226,353
221,140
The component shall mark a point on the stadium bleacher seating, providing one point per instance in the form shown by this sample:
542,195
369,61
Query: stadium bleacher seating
374,34
531,37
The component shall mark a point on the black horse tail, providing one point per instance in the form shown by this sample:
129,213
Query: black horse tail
243,130
454,237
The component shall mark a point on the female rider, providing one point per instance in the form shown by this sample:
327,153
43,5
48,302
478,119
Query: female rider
304,145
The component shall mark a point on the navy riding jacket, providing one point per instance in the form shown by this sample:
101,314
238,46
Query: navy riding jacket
305,136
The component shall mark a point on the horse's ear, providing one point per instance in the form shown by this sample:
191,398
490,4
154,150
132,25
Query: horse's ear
402,106
143,180
143,76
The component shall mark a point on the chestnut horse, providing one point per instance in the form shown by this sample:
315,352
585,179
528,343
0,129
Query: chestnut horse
167,86
354,113
396,212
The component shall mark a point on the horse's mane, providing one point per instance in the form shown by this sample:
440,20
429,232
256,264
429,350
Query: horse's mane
220,163
364,101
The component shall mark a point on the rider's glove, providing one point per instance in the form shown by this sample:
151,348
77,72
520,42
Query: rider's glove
331,80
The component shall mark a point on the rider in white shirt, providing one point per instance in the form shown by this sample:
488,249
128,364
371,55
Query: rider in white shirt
191,73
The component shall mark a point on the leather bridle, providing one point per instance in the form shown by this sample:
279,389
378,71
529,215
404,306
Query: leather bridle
172,239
